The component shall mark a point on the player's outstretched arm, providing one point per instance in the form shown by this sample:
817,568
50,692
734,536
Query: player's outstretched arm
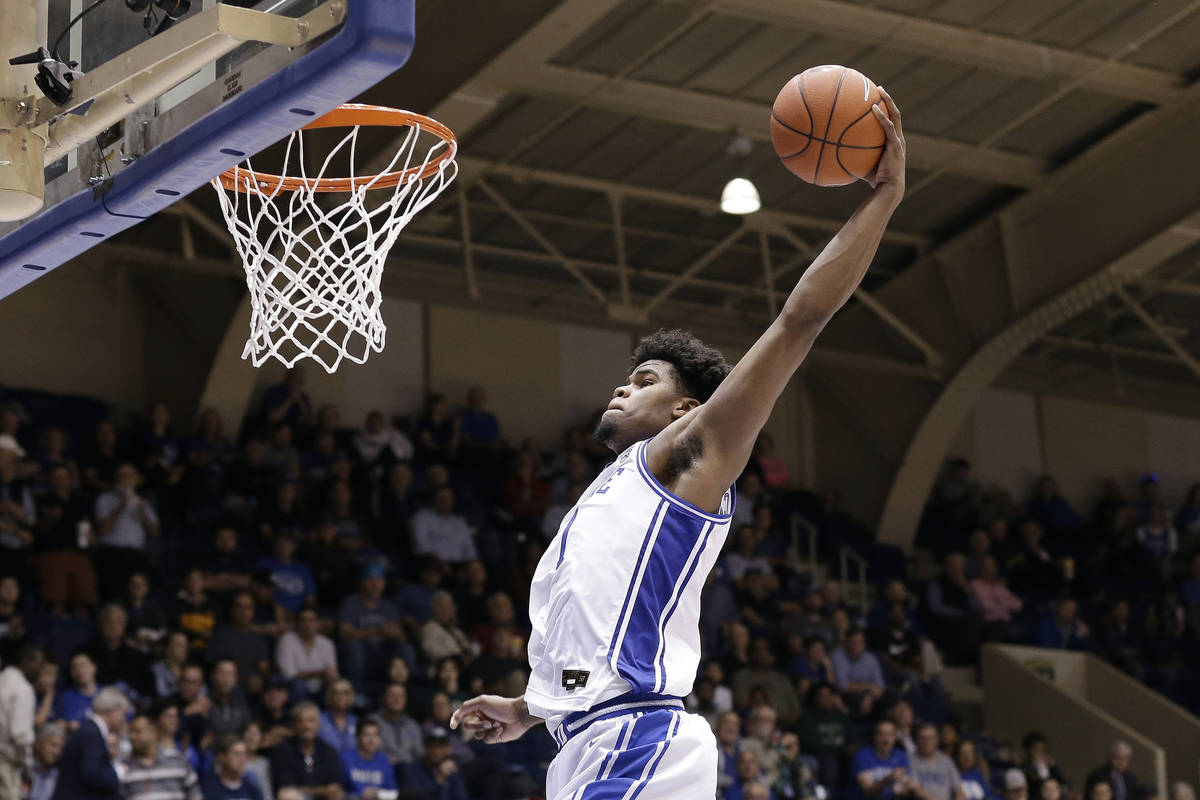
731,419
494,719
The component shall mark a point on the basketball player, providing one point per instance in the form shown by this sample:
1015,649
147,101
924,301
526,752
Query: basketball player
615,600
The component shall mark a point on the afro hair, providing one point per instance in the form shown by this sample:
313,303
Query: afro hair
698,367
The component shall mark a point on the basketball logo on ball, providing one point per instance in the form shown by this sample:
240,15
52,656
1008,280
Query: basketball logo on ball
823,128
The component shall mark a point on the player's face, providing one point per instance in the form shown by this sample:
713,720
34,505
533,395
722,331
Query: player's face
649,401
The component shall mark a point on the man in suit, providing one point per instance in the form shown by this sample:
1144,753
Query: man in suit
86,770
1125,785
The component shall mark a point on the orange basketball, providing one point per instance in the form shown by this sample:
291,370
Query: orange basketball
823,128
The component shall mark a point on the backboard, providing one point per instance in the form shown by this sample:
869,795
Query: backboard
168,136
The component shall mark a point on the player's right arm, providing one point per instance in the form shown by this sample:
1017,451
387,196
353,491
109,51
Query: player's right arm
494,719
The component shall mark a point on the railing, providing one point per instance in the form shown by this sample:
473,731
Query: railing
802,526
848,557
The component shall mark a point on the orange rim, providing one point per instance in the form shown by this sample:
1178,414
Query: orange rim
349,115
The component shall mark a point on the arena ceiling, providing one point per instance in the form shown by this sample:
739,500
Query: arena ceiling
593,151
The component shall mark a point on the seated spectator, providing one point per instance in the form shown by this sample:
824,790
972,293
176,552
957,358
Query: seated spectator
437,530
1123,784
812,666
125,523
728,730
369,630
479,428
1015,787
287,402
500,614
975,786
744,556
240,643
1101,789
1052,790
307,657
195,613
145,620
932,769
954,611
294,585
333,558
1122,641
153,774
1051,510
996,602
774,469
1182,791
229,779
283,512
280,458
902,718
99,462
305,765
438,432
64,528
368,773
17,512
441,637
1039,766
813,619
415,599
436,773
258,766
12,621
826,733
193,704
45,686
338,724
226,571
228,712
881,770
1061,629
165,717
378,443
978,548
273,714
74,702
116,662
526,496
47,749
168,669
159,453
1159,542
763,735
858,674
750,778
1032,568
400,735
353,529
899,648
761,673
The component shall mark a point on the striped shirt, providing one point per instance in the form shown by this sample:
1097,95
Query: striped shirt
170,777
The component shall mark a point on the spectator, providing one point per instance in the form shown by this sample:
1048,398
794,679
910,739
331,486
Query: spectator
826,733
1123,783
1159,542
813,666
305,765
17,705
368,773
305,656
335,569
796,777
227,570
763,736
775,470
153,774
526,496
116,662
437,530
101,461
902,717
369,630
1181,791
749,774
762,673
378,443
858,673
86,770
1031,568
169,668
75,701
997,603
64,531
479,427
728,730
975,785
881,770
145,621
436,773
294,585
1051,510
1015,787
437,432
47,750
1102,789
229,712
280,459
400,734
193,704
166,720
12,622
240,643
932,769
273,714
17,512
1053,790
287,402
744,556
126,522
1062,629
953,610
45,688
159,452
440,636
338,726
258,767
195,612
229,779
1039,766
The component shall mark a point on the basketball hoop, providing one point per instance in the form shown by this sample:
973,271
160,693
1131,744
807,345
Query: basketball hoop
313,266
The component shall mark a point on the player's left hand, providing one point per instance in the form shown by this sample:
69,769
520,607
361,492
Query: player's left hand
493,719
890,169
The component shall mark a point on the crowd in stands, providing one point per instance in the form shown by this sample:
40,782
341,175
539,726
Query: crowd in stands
294,610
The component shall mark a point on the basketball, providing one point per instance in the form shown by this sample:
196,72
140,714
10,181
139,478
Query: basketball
823,128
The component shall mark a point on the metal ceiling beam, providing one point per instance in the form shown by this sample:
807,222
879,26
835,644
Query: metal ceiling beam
1075,343
1161,332
472,168
694,268
976,48
1172,287
711,112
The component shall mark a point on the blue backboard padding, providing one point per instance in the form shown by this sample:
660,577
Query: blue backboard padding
375,41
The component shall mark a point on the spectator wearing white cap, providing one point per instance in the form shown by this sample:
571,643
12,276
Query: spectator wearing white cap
1015,785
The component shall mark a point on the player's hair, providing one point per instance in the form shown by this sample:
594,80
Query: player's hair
698,367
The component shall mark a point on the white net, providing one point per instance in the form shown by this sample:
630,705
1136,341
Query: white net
314,259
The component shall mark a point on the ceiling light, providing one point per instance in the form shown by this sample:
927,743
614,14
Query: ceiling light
740,197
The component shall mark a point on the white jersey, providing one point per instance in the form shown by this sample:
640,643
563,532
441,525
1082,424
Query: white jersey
615,600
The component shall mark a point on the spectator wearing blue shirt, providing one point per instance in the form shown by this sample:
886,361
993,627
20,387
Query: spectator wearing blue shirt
1062,629
228,779
72,704
369,774
436,773
369,630
881,770
857,673
478,426
338,725
294,584
975,785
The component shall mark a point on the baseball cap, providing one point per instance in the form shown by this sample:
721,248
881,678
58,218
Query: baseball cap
1014,779
437,734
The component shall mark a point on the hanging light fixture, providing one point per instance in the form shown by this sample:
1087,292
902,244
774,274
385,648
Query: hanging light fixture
740,195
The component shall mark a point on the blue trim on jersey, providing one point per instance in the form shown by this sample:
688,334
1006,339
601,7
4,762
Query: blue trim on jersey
661,684
666,494
621,705
677,537
648,732
562,548
633,581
